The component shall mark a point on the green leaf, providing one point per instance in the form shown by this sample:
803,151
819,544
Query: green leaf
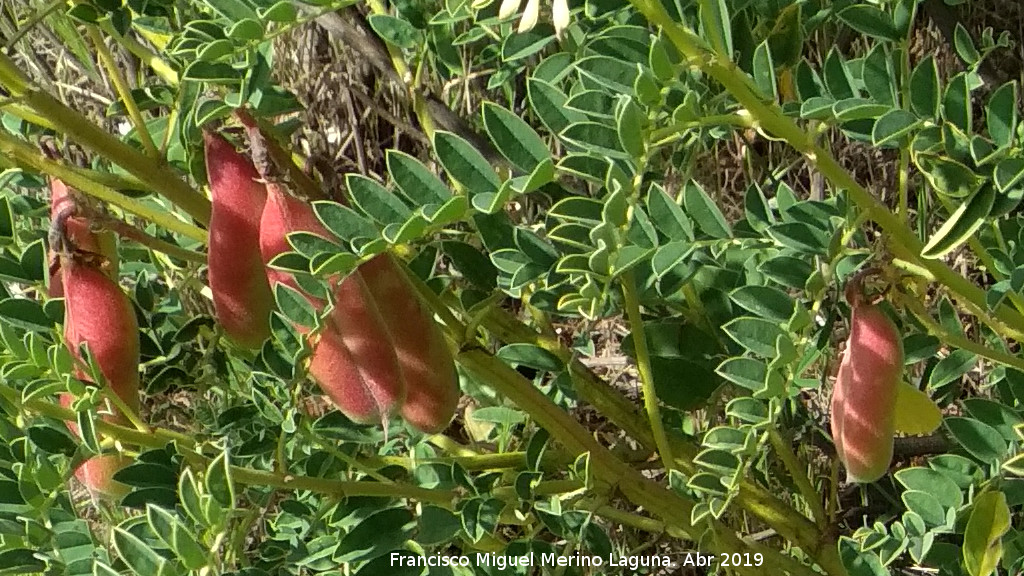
1001,114
548,102
376,201
25,314
995,414
1009,173
20,561
717,26
139,557
764,71
787,271
596,137
480,516
284,11
926,506
51,440
395,31
177,537
878,75
247,30
630,122
465,164
344,222
766,302
668,217
501,415
378,534
893,127
214,72
837,76
949,177
219,482
956,104
659,60
233,10
519,46
871,21
750,373
749,410
979,439
704,211
983,546
514,138
962,224
532,356
295,306
965,45
945,490
612,73
924,88
755,334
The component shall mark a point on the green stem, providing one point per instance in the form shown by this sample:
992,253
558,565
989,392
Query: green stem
126,230
643,364
144,54
799,475
155,174
23,153
124,91
957,340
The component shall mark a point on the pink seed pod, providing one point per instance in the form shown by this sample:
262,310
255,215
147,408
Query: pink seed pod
78,233
99,314
864,396
242,299
353,359
432,384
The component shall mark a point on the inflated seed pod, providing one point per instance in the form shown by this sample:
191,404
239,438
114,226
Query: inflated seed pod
432,384
97,473
353,359
282,215
864,396
79,234
99,314
242,299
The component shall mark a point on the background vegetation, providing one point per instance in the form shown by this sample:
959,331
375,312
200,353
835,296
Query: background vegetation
633,230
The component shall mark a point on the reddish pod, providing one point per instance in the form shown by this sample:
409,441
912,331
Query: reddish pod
242,299
97,473
432,384
864,397
79,235
99,315
353,359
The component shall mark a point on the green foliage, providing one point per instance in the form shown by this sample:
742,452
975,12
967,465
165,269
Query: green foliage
603,195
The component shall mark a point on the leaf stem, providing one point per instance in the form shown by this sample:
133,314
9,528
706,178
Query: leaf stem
799,475
155,174
643,364
25,154
124,91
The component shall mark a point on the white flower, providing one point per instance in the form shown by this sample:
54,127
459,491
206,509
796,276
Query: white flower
530,16
560,16
508,8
